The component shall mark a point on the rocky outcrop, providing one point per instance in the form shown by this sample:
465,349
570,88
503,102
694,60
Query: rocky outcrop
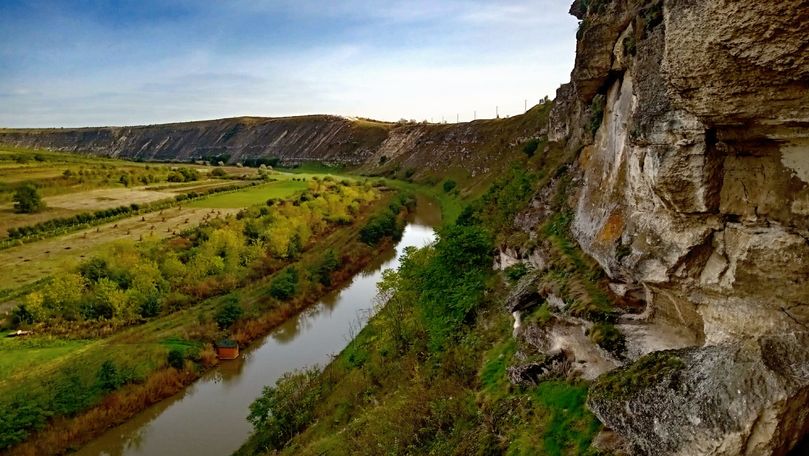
692,124
731,399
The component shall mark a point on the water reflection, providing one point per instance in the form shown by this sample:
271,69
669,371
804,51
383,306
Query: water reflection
208,418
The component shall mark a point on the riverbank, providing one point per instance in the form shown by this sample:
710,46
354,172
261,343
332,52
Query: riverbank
180,330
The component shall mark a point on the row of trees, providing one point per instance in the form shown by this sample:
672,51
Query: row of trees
132,281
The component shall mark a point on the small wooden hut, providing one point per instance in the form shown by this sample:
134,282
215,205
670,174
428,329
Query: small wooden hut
227,349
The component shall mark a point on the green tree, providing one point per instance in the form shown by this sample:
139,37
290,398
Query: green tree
449,185
108,378
285,285
229,313
27,200
286,408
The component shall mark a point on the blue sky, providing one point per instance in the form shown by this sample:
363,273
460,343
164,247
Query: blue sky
90,63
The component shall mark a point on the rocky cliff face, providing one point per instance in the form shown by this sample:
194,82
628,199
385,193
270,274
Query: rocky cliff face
473,148
692,122
294,139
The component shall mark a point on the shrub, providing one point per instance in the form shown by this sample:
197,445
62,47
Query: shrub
516,272
228,314
108,377
286,408
378,227
219,172
321,272
176,359
530,147
285,285
449,185
27,200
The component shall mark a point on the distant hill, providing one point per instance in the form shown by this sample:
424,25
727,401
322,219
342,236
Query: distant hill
471,148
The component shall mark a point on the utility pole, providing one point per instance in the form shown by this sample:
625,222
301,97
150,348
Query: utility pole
497,111
474,115
526,105
457,118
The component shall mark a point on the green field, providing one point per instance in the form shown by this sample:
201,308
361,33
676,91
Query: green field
22,355
255,195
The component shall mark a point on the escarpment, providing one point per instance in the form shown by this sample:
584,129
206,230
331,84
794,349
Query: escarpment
691,123
420,150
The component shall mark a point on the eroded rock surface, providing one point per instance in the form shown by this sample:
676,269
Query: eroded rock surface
692,122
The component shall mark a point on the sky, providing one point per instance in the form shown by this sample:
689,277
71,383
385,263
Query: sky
75,63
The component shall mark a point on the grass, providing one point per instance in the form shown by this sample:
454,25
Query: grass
23,355
251,196
493,374
569,426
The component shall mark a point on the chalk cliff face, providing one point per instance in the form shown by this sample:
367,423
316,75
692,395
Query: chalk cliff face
692,121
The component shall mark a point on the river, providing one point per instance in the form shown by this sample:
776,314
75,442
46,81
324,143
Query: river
209,417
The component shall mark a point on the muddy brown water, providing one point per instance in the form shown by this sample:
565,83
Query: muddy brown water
209,417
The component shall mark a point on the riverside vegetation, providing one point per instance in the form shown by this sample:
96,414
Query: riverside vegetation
428,374
134,322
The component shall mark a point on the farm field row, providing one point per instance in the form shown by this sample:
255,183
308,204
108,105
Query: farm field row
37,260
69,204
31,262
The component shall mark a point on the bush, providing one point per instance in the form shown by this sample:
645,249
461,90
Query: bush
108,377
321,272
378,227
449,185
286,408
176,359
27,200
285,285
516,272
228,314
530,147
219,172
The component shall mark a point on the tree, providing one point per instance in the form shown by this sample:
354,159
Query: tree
229,314
108,377
285,285
27,200
284,409
449,185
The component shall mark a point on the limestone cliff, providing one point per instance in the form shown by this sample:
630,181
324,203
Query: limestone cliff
471,149
691,119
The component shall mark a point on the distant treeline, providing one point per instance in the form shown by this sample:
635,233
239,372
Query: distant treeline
252,162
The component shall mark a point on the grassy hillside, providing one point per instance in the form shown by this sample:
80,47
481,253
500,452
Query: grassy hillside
428,375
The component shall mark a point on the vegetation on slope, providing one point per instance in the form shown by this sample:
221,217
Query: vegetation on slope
428,373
